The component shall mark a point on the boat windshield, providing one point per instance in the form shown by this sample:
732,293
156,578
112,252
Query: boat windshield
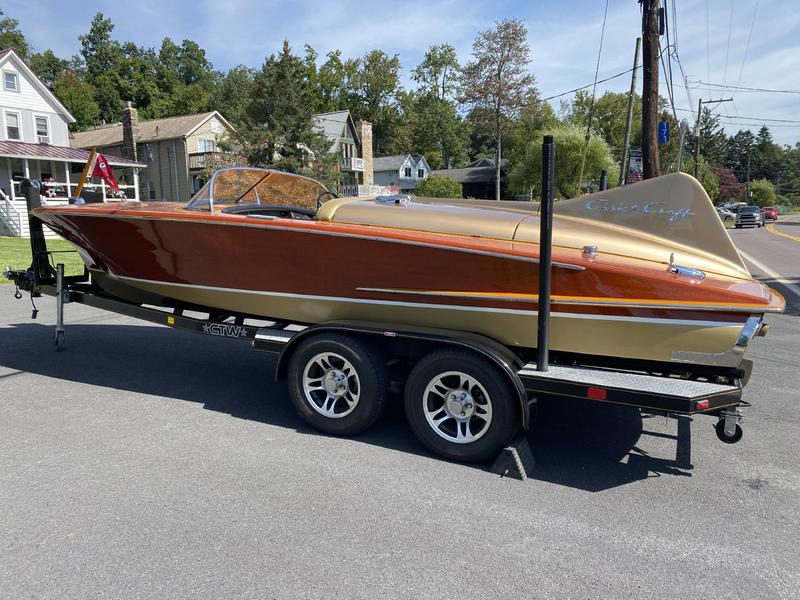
250,185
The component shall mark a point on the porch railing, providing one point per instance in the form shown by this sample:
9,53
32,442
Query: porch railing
361,190
197,160
9,214
57,190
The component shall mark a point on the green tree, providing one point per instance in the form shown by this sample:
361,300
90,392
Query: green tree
713,142
438,186
280,130
332,83
47,66
11,37
535,117
739,148
102,56
439,131
231,94
439,73
762,193
707,177
609,115
374,94
78,98
570,145
497,81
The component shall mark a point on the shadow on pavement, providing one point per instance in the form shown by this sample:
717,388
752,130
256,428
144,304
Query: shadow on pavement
792,301
583,445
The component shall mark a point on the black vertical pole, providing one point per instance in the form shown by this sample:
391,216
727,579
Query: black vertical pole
545,250
603,180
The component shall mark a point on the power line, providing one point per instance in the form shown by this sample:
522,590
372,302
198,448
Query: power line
588,85
747,47
760,119
670,79
708,50
762,124
743,88
728,47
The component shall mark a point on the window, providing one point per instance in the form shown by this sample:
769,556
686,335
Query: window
421,173
146,152
10,81
408,172
12,126
206,145
42,129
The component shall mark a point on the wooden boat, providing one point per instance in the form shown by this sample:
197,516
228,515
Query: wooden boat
643,273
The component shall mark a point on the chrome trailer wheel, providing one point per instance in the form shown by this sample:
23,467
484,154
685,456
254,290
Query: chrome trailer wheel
337,384
460,406
331,385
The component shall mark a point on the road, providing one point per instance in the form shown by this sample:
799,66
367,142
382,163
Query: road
143,462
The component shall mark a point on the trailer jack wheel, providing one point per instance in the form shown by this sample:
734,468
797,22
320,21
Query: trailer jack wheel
728,428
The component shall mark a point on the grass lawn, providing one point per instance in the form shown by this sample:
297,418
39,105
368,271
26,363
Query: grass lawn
15,252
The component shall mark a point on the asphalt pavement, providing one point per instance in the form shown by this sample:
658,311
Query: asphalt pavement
143,462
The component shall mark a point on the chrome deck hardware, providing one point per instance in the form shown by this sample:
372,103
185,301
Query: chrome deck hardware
687,271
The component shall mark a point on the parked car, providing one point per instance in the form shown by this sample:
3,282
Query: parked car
725,214
770,212
749,216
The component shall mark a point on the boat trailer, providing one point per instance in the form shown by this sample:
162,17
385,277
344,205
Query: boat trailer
527,380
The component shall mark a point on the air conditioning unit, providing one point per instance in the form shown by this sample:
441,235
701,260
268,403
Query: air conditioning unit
43,139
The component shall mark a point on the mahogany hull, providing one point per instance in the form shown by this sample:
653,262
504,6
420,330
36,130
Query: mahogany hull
314,272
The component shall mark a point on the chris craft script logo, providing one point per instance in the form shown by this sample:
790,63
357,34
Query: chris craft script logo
225,330
651,208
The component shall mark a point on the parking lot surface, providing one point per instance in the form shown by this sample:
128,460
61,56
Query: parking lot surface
145,462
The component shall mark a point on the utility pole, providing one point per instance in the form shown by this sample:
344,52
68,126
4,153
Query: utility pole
623,168
697,140
747,190
650,54
700,103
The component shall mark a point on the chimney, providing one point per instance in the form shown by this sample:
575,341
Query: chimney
130,133
364,129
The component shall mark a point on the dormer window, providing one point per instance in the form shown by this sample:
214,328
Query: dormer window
10,81
421,173
408,172
12,126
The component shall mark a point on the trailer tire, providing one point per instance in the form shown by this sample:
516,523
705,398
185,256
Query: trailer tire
337,384
460,406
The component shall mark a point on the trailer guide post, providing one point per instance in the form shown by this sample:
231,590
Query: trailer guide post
545,251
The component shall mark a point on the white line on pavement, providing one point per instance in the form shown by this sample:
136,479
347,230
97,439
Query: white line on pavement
776,276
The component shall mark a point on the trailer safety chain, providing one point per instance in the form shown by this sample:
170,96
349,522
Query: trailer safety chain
17,293
35,310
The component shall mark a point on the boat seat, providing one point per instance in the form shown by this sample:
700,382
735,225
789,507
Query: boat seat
282,211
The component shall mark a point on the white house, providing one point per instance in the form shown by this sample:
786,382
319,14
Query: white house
404,170
34,143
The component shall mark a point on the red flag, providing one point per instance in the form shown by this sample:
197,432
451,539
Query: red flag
103,170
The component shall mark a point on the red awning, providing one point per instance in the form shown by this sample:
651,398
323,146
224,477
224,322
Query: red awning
59,153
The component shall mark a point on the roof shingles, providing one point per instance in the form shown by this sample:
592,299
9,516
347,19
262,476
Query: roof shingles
149,131
62,153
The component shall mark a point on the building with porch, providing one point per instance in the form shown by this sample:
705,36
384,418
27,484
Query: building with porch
352,143
175,149
34,143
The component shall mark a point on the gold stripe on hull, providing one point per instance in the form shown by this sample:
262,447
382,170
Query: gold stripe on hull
626,337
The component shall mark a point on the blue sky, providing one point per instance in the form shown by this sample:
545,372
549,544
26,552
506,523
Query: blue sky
564,38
